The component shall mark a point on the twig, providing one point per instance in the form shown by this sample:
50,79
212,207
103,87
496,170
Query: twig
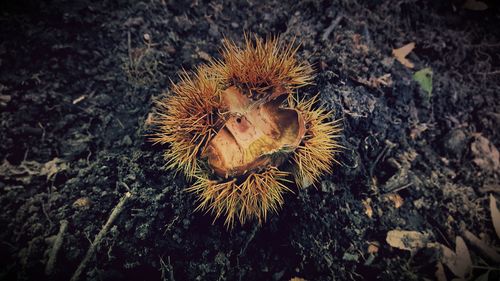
331,27
90,252
399,188
49,268
166,269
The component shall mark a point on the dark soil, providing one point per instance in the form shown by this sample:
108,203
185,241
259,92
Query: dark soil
78,81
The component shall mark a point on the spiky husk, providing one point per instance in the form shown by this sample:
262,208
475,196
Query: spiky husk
317,152
194,113
262,65
187,119
254,197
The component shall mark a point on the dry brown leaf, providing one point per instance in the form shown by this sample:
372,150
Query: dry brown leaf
490,187
459,262
486,155
480,244
373,247
495,214
407,240
463,256
368,208
401,53
449,258
475,5
25,171
53,167
297,279
396,199
440,274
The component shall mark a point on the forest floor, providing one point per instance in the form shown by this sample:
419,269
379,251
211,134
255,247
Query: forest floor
77,85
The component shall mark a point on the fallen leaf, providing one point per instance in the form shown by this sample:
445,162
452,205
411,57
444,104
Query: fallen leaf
440,274
407,240
485,248
25,171
463,256
459,262
401,53
486,155
373,247
396,199
449,258
495,214
475,5
490,187
368,207
424,79
53,167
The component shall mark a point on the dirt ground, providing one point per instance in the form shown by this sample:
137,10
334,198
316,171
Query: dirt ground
77,84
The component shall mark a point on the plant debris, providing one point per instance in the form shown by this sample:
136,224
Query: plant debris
29,169
408,240
495,214
424,79
401,53
458,261
486,155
